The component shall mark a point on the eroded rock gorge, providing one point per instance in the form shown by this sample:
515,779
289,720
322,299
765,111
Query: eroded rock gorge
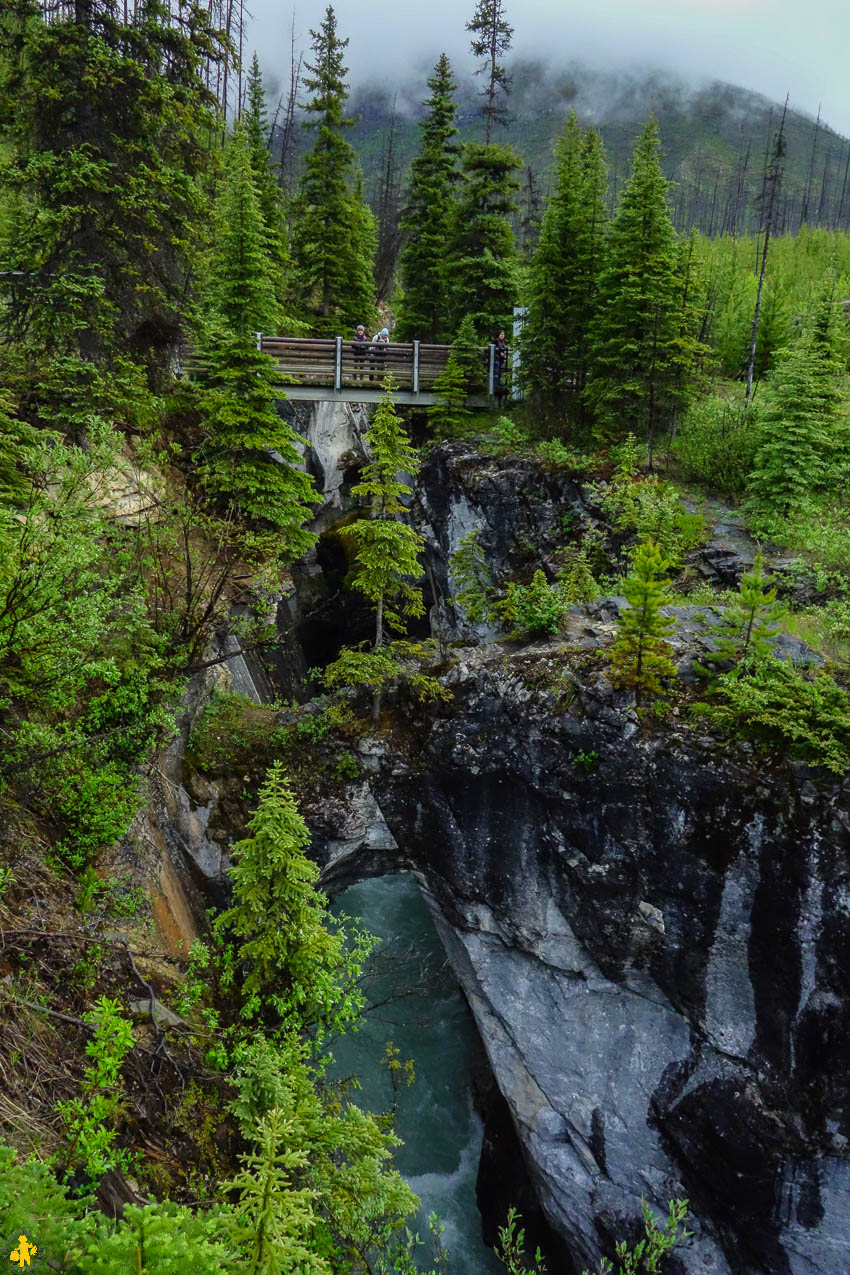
652,928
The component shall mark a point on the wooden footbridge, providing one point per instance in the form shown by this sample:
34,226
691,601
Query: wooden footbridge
338,369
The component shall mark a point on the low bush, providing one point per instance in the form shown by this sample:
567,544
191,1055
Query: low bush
717,443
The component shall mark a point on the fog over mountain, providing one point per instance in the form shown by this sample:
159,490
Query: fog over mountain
770,46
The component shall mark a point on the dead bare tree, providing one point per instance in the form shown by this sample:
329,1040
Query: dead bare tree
768,202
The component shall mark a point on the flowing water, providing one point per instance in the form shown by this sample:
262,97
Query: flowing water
418,1006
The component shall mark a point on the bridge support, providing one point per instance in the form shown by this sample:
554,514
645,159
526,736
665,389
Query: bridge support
491,378
415,367
259,337
338,365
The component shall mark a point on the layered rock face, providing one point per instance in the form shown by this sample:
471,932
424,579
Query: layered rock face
653,931
656,948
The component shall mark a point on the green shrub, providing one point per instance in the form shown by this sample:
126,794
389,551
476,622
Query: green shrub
537,608
770,700
90,1118
717,443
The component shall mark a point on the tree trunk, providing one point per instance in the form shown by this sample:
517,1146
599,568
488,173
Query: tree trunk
379,642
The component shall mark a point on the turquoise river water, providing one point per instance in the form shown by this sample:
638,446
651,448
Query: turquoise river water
419,1007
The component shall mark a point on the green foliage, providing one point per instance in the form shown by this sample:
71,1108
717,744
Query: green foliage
89,1120
800,441
108,220
18,453
161,1239
334,236
576,580
564,271
640,655
537,608
648,1254
293,962
458,379
33,1203
771,701
378,669
492,35
82,689
751,622
511,1248
250,462
718,441
319,1188
482,251
242,292
639,357
587,760
265,181
386,563
649,506
472,579
427,218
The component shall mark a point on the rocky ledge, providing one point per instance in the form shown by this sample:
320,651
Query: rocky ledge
653,931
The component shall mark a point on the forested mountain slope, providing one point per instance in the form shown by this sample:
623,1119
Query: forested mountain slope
714,134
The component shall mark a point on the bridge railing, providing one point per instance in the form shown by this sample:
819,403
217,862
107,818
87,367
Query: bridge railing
343,363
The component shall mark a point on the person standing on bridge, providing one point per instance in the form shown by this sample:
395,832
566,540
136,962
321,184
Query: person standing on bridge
380,341
359,348
501,354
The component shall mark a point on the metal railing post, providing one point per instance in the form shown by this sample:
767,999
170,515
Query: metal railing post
259,337
415,367
491,380
338,365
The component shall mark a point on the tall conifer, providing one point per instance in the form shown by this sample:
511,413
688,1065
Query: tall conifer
640,656
634,352
256,127
492,35
800,436
483,251
333,241
242,285
564,272
427,219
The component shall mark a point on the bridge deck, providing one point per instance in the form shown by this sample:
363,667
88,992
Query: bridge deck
339,369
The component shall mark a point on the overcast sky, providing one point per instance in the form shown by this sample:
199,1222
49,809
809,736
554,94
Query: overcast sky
772,46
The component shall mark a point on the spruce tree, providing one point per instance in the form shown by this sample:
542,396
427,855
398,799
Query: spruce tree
333,241
564,271
452,387
386,549
291,957
635,359
483,252
428,216
241,290
105,128
800,433
19,443
492,35
249,460
749,625
268,192
640,656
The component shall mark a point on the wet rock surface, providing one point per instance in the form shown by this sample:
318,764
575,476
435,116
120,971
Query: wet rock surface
655,948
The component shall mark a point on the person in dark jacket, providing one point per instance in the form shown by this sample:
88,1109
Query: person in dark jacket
380,341
501,355
360,348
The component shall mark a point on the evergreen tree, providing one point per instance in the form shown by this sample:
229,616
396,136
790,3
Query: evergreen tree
800,434
483,253
640,656
18,444
564,270
242,291
293,961
428,217
334,237
386,561
635,355
491,38
265,182
249,460
452,387
751,622
106,125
